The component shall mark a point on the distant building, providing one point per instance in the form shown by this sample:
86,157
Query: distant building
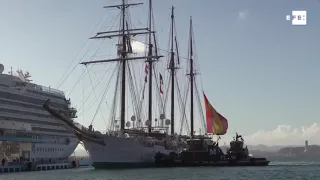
306,146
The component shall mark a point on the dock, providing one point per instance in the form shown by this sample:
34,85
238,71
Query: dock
71,162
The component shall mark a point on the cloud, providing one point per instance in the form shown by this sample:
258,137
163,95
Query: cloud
286,135
243,15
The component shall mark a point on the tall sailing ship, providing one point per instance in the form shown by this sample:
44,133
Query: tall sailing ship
28,132
135,145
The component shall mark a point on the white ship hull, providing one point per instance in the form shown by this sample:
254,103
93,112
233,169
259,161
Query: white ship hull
27,130
121,152
52,151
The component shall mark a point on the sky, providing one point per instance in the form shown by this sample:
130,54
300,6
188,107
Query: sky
257,69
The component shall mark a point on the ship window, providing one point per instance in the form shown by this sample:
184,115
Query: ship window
50,130
29,99
23,104
71,135
29,120
24,112
45,94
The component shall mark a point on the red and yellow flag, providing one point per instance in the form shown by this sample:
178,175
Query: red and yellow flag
216,123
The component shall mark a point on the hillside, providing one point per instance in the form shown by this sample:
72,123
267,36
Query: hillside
312,150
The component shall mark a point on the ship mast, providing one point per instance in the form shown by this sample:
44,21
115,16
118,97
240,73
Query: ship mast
123,55
124,35
150,63
172,68
191,74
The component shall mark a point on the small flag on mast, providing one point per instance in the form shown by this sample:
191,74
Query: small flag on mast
161,84
147,68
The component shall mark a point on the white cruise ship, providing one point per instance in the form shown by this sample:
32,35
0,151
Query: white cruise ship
27,131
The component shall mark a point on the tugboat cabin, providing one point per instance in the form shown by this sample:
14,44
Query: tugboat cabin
237,151
199,145
201,150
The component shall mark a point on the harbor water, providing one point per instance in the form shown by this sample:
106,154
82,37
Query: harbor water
276,171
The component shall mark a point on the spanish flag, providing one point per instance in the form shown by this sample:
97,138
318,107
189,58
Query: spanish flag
216,123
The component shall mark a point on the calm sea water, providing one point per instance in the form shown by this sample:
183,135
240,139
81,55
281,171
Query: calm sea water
276,171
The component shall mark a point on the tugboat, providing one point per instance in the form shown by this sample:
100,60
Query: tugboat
202,151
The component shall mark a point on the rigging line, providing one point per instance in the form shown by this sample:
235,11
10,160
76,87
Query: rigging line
116,94
83,95
141,101
92,104
137,93
160,105
98,108
79,51
133,93
97,84
182,106
167,94
133,79
158,99
141,95
83,73
95,95
200,107
85,54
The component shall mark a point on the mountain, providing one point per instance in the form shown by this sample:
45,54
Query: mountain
300,151
262,147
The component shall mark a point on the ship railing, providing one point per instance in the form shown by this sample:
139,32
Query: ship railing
78,158
16,163
72,109
52,161
80,126
50,90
